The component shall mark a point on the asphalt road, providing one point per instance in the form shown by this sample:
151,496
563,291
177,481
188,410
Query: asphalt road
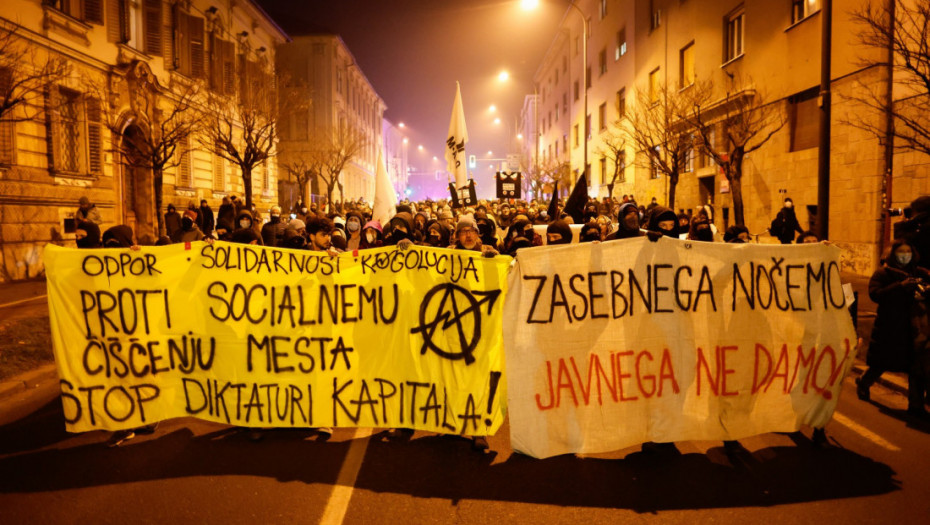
876,470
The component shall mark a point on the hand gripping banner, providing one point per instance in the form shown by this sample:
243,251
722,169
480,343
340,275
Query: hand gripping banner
614,344
264,337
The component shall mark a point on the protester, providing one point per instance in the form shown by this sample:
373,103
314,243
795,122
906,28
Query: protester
736,234
372,236
295,235
401,227
663,220
628,221
807,237
273,230
354,222
245,233
559,232
206,217
785,223
227,213
87,212
172,221
897,287
438,235
189,231
590,232
700,229
916,228
87,235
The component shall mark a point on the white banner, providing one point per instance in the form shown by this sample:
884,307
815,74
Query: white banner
455,144
614,344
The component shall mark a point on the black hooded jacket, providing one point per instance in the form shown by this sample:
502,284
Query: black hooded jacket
622,231
659,214
118,237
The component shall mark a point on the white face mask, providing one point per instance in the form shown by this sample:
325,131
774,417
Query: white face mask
903,258
371,236
352,226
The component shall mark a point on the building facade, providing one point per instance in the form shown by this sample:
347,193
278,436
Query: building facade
755,48
126,65
339,102
395,155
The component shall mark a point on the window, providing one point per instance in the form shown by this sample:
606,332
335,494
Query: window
621,102
184,166
556,111
654,87
565,142
556,148
94,115
564,64
655,17
189,49
219,173
152,22
222,65
576,135
622,168
70,131
689,159
801,9
603,9
734,36
565,103
587,78
603,163
602,61
686,66
804,120
654,164
576,90
87,10
602,116
577,45
621,44
587,126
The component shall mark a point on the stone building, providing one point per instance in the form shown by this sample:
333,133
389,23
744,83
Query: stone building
321,69
128,64
395,155
751,48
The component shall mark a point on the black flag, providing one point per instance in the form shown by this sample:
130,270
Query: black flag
577,200
554,203
455,196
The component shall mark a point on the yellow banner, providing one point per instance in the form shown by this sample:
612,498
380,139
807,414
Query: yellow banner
265,337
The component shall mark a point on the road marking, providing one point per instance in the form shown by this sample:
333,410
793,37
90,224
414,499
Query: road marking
14,303
338,503
864,432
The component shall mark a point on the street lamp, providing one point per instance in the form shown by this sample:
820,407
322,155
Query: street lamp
533,4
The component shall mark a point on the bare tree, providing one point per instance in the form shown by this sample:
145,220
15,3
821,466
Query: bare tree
302,166
243,131
730,128
331,151
613,148
24,78
897,34
172,120
656,129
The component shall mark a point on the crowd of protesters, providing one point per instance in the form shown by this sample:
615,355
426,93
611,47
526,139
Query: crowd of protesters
900,340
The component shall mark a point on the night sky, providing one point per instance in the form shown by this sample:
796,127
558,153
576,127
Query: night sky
413,51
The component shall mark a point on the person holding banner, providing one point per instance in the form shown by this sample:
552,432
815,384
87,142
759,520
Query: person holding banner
898,287
627,222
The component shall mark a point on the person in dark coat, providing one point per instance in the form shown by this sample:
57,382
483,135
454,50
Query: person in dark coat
189,231
590,232
627,222
245,230
437,235
894,287
785,223
227,212
206,217
87,235
172,221
663,220
273,230
401,228
120,236
559,232
916,229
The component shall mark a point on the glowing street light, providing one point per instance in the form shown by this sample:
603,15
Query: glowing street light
420,147
406,140
492,109
490,153
529,4
503,76
519,136
401,125
497,121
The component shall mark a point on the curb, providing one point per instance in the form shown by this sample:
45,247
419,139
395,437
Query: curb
27,381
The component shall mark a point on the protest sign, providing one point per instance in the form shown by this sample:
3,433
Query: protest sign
264,337
614,344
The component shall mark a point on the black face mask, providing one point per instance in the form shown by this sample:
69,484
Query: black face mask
591,236
398,235
703,233
187,223
297,242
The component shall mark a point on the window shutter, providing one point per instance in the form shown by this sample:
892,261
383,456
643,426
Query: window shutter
219,173
113,20
229,67
94,135
93,11
181,47
52,127
195,28
7,140
152,21
184,167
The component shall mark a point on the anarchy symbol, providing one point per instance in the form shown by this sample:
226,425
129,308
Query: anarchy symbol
456,306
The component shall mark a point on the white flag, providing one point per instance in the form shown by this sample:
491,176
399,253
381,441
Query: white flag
455,144
385,197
